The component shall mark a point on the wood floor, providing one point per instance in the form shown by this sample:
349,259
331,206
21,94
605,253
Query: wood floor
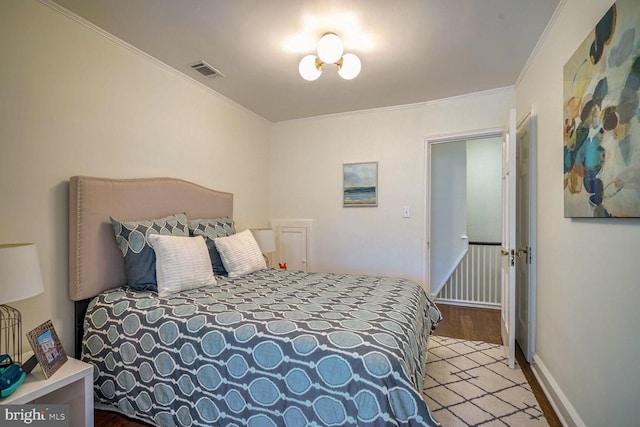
475,324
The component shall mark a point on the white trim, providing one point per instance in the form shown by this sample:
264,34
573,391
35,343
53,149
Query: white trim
462,303
426,234
465,136
561,405
405,106
533,229
424,248
142,54
541,40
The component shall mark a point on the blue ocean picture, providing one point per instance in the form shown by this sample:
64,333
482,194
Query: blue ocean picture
360,184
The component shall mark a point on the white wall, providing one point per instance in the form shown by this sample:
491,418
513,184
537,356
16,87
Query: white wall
588,269
73,102
306,178
448,199
484,190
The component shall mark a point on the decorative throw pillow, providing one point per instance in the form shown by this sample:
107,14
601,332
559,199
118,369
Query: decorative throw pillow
240,254
181,263
210,228
139,258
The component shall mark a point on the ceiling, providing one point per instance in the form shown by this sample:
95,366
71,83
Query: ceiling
411,50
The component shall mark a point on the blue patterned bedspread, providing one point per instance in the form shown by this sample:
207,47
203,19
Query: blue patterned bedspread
273,348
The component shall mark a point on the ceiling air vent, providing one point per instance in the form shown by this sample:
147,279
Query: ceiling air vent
206,70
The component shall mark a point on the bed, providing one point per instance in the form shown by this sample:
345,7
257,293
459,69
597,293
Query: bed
268,348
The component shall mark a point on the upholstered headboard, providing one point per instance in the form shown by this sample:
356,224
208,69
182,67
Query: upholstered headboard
95,262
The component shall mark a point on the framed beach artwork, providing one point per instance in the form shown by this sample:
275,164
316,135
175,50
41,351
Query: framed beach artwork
360,184
601,97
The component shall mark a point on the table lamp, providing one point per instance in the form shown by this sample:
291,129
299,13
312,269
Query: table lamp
266,239
20,278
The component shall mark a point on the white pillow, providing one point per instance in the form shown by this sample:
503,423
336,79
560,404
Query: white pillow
181,263
240,253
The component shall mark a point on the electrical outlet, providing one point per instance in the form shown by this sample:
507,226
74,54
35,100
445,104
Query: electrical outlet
406,212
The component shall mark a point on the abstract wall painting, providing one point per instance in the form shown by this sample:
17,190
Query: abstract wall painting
602,118
360,184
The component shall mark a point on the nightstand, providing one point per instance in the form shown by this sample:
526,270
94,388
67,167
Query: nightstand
71,385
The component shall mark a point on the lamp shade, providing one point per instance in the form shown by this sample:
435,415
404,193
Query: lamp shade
20,274
266,239
308,68
350,67
330,48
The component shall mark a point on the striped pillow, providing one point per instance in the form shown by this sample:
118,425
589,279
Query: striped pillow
181,263
139,258
240,254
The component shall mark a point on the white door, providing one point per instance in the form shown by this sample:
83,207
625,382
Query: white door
525,234
291,248
507,324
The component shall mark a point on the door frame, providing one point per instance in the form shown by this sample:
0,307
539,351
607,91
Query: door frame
428,142
480,134
508,250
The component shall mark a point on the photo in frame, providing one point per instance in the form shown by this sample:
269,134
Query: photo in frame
47,348
601,96
360,184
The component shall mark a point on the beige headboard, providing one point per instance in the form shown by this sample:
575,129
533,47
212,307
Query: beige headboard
95,262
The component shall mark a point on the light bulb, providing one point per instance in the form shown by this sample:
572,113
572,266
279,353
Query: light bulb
330,48
350,67
308,68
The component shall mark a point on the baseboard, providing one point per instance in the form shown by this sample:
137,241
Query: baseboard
564,410
473,304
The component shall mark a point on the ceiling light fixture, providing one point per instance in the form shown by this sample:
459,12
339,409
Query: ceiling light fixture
330,51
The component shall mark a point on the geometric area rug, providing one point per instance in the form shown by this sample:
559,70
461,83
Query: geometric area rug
468,383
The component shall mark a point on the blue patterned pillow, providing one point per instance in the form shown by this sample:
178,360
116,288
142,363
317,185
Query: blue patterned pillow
210,229
139,257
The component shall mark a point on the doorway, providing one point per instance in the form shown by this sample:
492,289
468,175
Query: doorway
442,258
464,216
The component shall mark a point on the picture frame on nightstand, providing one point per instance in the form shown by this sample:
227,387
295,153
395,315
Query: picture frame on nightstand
47,348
